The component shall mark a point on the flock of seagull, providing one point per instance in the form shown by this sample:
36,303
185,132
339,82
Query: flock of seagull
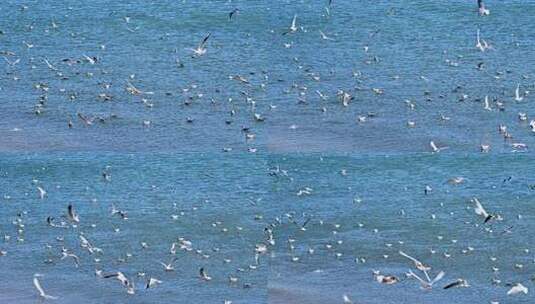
421,273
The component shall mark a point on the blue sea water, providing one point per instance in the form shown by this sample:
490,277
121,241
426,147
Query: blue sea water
174,178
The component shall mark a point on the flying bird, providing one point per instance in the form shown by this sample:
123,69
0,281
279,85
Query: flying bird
119,276
42,192
481,211
72,215
234,12
201,48
152,282
12,63
169,266
517,93
293,27
325,37
518,288
204,275
40,289
429,283
385,279
482,10
435,148
457,283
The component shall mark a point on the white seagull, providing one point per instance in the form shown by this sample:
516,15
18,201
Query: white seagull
201,48
152,282
479,210
482,10
426,284
72,215
204,275
42,293
293,28
42,192
325,37
518,288
169,266
517,93
435,148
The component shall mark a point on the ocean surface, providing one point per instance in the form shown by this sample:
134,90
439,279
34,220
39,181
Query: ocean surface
252,137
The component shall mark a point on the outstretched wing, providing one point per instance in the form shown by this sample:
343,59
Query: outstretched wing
203,42
479,210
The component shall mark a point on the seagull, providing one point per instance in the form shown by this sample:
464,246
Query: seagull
130,88
28,45
426,284
325,37
12,63
321,95
50,222
419,265
482,10
121,213
517,288
293,27
388,279
170,266
517,93
88,121
123,279
72,215
49,65
487,104
519,146
481,211
456,180
203,275
65,254
152,282
457,283
201,49
344,97
234,12
435,148
42,192
119,276
42,293
479,45
84,243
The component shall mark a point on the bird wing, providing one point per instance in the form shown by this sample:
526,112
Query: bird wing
41,291
70,211
479,208
517,289
412,274
38,286
409,257
203,42
450,285
111,275
121,277
439,277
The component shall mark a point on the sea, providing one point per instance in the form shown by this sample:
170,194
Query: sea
105,106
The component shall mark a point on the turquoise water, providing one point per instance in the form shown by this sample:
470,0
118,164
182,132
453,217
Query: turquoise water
207,182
